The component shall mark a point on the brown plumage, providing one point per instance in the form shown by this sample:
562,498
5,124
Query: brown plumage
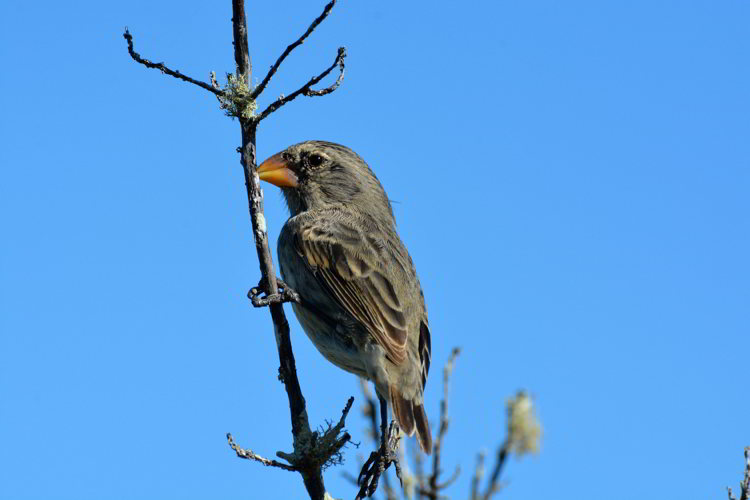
362,304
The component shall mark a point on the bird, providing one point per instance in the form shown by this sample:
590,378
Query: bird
361,302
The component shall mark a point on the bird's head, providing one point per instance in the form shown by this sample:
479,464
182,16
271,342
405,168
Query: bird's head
318,174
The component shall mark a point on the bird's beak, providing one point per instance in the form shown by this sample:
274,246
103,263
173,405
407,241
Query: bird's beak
276,171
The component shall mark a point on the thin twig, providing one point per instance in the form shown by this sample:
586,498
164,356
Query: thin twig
164,69
478,475
745,483
450,480
431,494
251,455
331,442
262,86
494,486
433,487
307,88
419,471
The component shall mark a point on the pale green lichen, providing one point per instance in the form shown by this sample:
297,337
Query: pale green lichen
236,100
524,429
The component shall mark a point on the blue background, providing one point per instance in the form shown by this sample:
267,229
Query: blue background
572,180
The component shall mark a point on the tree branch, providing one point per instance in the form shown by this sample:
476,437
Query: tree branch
311,475
433,487
478,475
307,88
161,67
523,434
260,88
494,486
251,455
745,483
312,452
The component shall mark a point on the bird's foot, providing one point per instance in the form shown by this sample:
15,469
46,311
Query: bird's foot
285,294
379,462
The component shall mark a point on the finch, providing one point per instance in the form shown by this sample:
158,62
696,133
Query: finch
361,302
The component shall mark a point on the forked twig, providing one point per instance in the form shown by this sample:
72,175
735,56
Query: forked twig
251,455
307,89
262,86
164,69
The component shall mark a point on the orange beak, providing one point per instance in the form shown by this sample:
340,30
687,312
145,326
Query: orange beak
276,171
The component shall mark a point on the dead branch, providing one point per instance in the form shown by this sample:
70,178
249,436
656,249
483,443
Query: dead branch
307,89
251,455
262,86
164,69
745,483
433,488
523,435
312,452
494,484
478,475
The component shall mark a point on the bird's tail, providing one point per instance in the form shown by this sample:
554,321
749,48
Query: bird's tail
411,417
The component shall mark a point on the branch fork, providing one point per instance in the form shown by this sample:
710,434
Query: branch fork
312,450
237,97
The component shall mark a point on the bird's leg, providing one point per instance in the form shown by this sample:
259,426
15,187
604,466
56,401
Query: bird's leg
285,294
380,460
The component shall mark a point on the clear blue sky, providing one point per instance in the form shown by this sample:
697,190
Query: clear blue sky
572,180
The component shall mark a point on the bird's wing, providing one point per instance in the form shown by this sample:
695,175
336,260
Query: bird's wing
353,267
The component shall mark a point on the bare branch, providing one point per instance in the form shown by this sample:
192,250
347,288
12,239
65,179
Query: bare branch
333,440
745,483
478,475
262,86
494,486
307,88
433,487
304,455
251,455
429,493
161,67
450,480
312,451
419,471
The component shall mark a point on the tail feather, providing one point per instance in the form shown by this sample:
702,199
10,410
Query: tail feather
411,417
423,428
403,412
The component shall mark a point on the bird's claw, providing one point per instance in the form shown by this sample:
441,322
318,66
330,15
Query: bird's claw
378,463
285,294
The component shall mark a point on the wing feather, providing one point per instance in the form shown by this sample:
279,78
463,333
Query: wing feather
351,269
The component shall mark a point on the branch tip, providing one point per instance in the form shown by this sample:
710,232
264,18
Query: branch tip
264,83
307,89
164,69
251,455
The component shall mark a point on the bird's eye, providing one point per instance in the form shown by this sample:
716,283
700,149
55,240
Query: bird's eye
315,160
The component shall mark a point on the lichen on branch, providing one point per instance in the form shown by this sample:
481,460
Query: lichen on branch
237,100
